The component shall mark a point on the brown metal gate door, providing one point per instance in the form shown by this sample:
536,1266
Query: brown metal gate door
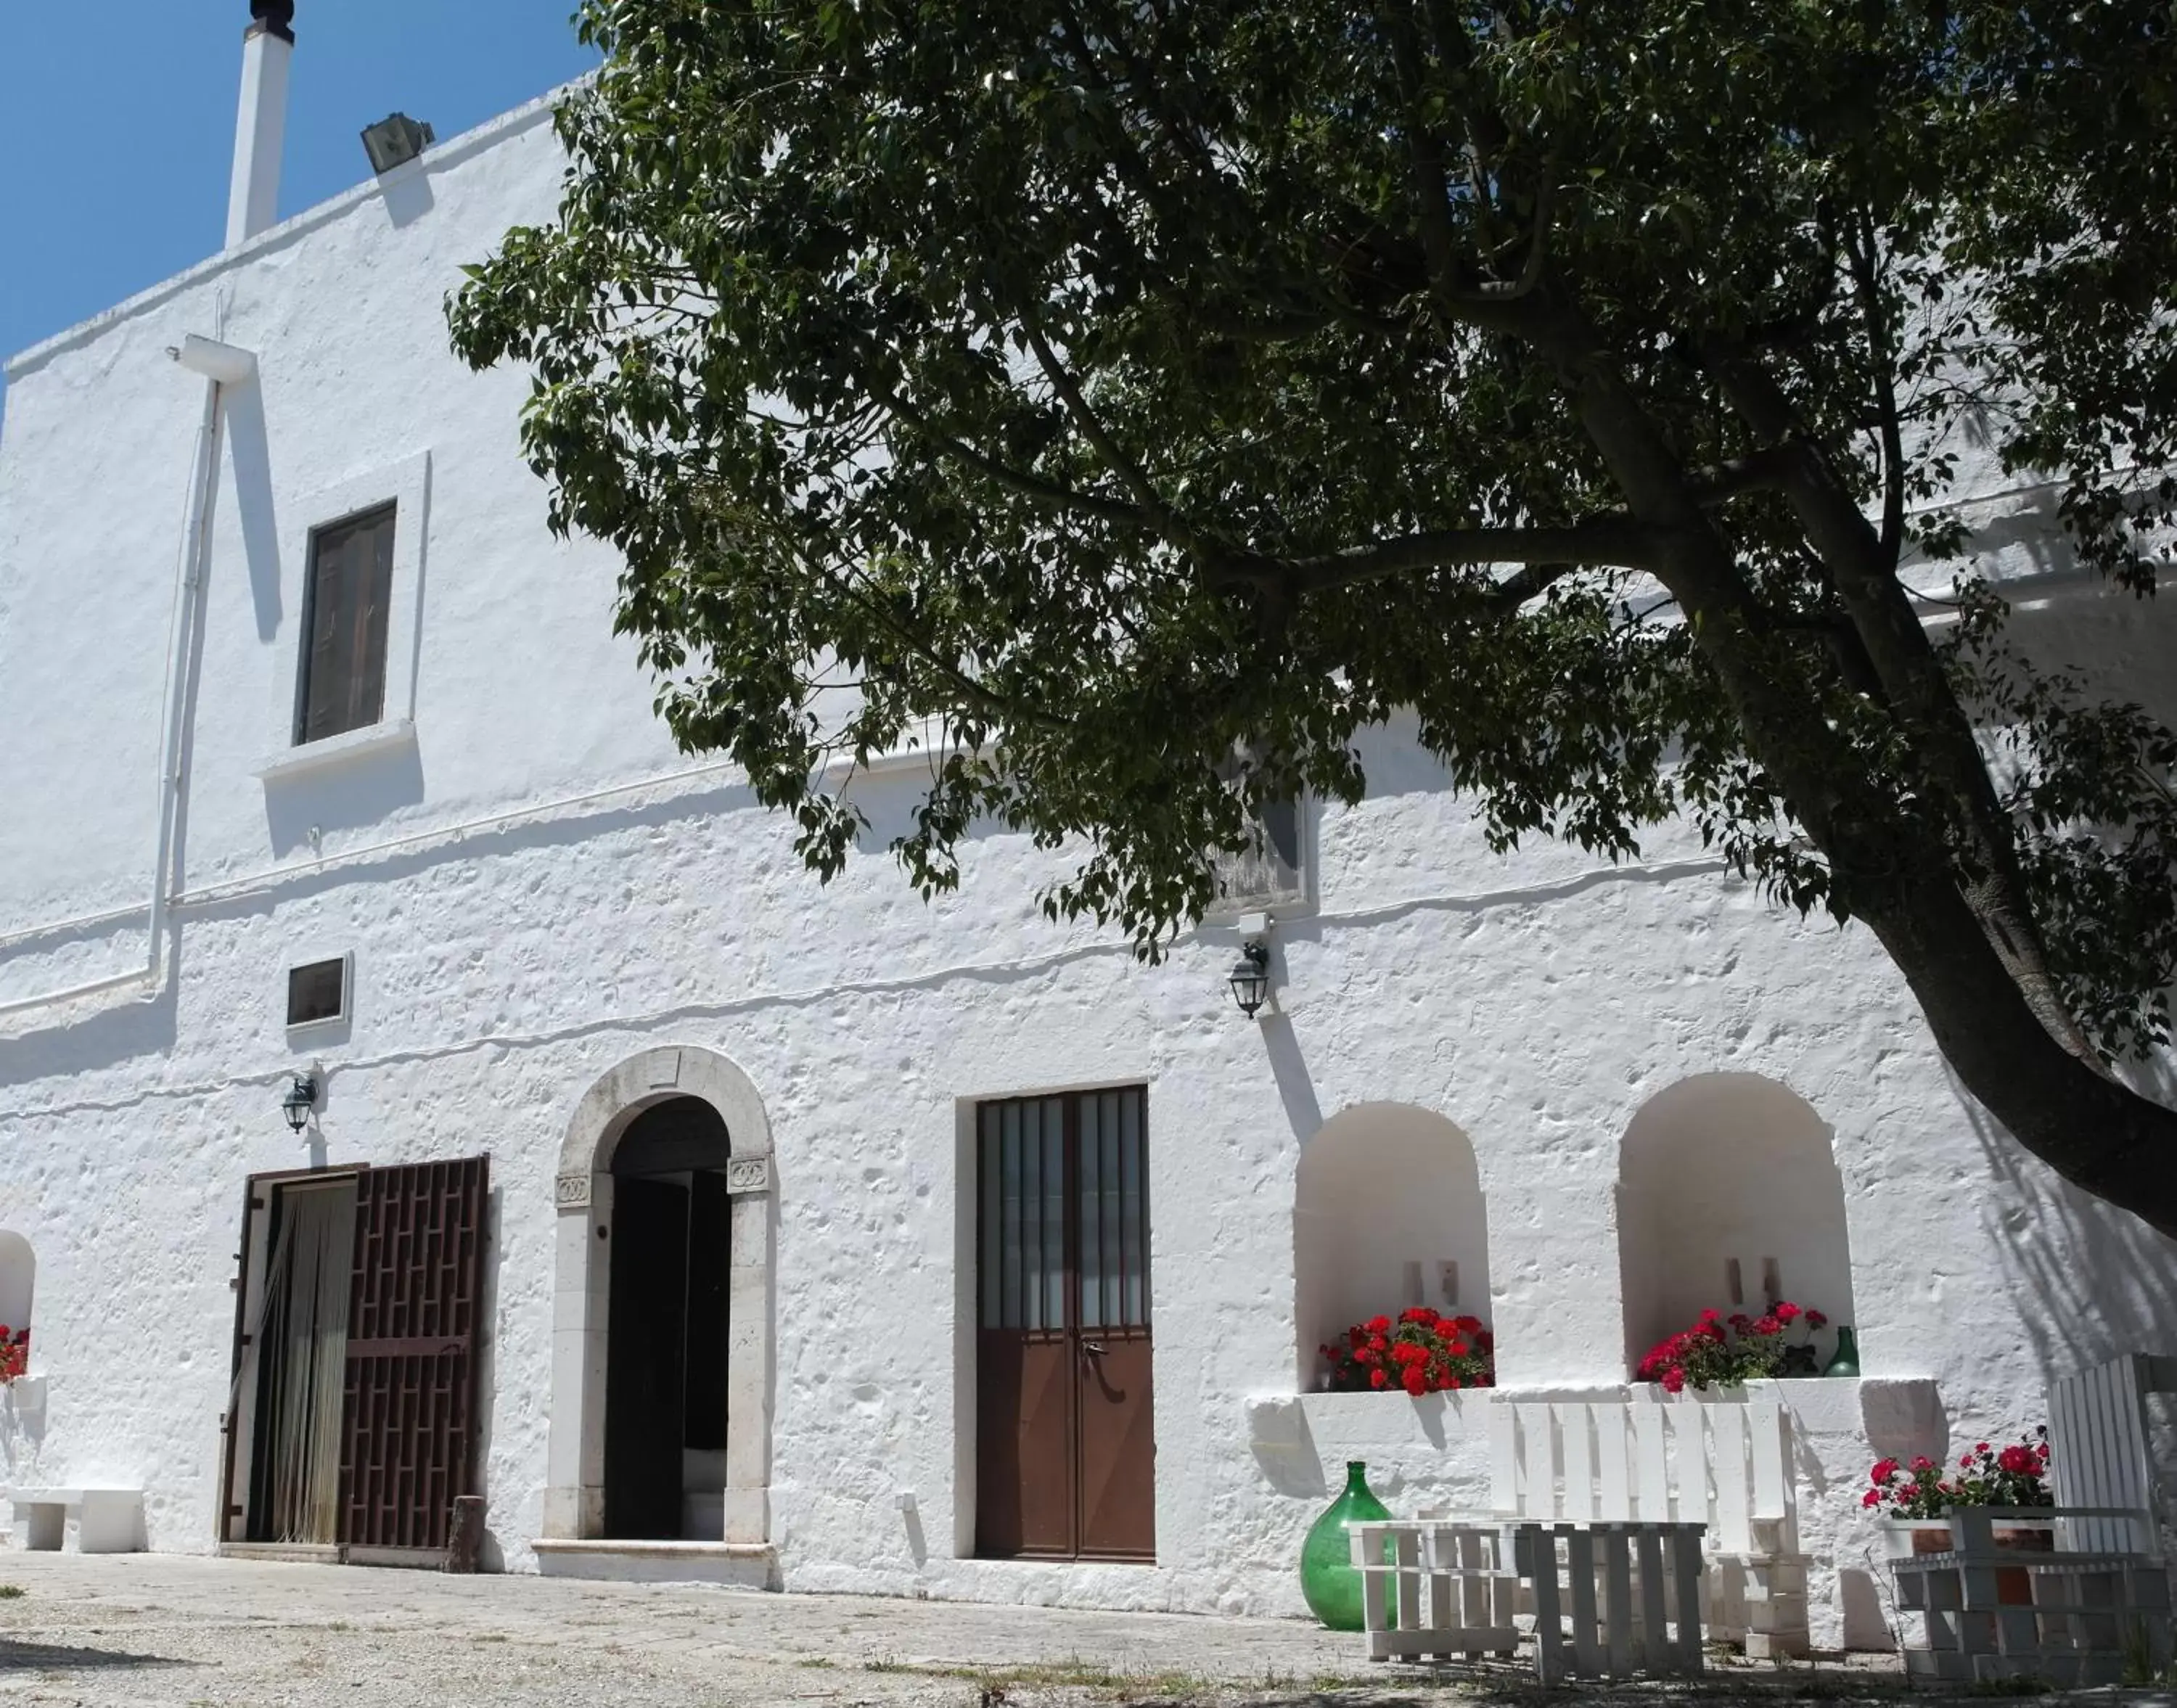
1118,1443
408,1423
1065,1448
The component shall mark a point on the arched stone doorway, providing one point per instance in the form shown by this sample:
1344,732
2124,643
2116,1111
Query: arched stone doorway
676,1142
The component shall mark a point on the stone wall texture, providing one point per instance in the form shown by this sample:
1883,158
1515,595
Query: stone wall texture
535,888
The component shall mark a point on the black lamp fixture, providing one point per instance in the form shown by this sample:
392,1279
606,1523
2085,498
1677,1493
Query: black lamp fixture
1250,978
301,1099
395,141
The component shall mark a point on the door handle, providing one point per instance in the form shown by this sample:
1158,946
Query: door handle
1092,1349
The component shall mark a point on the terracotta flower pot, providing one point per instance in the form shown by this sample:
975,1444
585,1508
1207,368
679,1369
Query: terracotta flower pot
2014,1585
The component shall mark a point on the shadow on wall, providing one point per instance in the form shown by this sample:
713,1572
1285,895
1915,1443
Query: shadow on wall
1388,1212
368,789
250,448
1729,1198
2091,1281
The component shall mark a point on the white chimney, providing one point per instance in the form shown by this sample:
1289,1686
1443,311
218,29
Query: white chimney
253,197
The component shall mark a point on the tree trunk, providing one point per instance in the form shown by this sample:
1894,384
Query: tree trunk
2102,1137
1897,875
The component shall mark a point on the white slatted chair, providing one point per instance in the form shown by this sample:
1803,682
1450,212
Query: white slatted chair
2099,1453
1724,1465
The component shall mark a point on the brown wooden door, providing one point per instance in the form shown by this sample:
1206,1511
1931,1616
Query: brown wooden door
409,1421
1066,1442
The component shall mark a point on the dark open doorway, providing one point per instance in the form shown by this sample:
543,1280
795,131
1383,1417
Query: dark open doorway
665,1358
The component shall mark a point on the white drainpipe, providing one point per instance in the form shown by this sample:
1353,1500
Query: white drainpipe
253,198
222,365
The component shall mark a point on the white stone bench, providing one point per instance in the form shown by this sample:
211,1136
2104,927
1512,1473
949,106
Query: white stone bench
78,1521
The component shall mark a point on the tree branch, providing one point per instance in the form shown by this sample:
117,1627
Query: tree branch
1530,270
1940,735
1424,162
1049,492
1549,554
1869,290
1099,438
1766,470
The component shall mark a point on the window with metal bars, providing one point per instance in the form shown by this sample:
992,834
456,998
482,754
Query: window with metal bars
1064,1218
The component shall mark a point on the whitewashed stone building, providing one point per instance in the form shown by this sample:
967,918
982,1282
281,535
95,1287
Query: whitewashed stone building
293,679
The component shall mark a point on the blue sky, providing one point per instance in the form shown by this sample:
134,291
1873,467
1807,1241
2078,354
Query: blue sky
120,131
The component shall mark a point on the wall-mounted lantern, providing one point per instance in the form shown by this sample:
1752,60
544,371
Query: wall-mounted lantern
1250,978
301,1099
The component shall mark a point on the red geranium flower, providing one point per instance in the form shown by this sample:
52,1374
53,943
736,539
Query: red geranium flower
1419,1350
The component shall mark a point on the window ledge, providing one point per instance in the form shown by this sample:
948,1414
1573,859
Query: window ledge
338,750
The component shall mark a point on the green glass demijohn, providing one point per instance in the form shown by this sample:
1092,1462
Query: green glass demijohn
1846,1362
1328,1576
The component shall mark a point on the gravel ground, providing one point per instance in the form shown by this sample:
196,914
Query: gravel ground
138,1630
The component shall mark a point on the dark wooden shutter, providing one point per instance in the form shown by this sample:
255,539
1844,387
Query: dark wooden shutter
347,614
409,1424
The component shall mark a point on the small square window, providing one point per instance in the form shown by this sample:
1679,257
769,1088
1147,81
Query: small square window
318,992
347,600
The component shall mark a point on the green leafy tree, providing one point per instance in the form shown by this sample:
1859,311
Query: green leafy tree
1112,387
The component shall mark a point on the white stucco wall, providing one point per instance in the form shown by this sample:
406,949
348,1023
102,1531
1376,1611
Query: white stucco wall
536,888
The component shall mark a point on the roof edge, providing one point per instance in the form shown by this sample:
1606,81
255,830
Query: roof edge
449,154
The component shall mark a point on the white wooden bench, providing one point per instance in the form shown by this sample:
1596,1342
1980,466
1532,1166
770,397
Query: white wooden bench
1607,1599
1720,1465
95,1520
2074,1616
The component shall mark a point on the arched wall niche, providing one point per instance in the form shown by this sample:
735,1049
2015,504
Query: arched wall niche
1388,1212
574,1500
18,1274
1729,1178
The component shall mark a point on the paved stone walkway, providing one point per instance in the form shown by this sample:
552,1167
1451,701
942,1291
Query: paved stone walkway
179,1631
131,1631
